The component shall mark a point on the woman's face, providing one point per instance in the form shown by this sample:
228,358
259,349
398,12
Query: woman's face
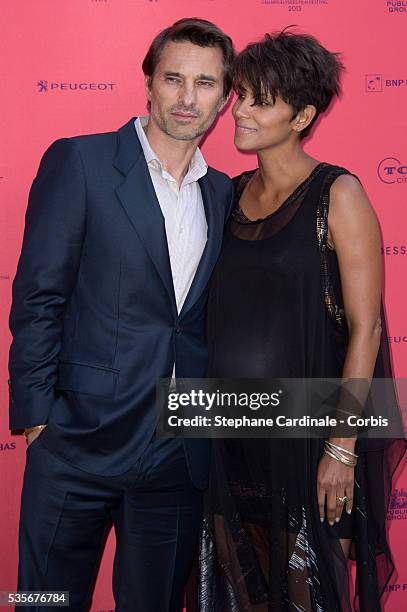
261,126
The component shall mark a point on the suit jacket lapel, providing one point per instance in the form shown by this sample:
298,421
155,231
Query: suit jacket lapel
137,196
214,213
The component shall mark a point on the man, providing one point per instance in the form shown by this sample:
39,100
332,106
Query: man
122,232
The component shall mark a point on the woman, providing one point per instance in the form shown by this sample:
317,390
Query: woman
296,293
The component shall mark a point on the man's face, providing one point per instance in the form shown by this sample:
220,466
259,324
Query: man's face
186,90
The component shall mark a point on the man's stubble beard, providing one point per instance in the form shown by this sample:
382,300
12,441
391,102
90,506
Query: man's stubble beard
165,125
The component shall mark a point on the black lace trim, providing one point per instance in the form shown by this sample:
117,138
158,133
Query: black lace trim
238,214
335,310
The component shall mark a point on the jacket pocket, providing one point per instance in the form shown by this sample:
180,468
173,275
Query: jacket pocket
85,378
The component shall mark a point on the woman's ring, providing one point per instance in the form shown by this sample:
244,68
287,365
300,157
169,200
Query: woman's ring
342,500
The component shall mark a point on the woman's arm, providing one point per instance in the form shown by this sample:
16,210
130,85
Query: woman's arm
355,235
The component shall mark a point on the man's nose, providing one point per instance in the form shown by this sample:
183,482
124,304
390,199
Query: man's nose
187,95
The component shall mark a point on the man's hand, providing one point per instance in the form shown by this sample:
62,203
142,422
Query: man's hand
33,432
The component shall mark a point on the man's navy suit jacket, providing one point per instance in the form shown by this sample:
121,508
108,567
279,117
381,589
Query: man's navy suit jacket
94,317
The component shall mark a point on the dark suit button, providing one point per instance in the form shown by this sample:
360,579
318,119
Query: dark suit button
177,329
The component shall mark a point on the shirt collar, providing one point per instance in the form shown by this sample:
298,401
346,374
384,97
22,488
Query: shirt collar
197,166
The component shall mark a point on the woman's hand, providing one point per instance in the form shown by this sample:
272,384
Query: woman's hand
334,480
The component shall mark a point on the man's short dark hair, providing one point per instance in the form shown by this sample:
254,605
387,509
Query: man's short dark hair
199,32
294,67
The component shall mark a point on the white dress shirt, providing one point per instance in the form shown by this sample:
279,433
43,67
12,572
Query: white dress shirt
183,211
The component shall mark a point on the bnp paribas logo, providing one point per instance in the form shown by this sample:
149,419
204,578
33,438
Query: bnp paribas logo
398,505
7,446
374,82
44,86
380,83
396,587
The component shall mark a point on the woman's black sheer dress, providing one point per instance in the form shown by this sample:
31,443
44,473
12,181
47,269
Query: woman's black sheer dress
275,310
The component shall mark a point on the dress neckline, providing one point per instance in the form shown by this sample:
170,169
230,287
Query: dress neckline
240,216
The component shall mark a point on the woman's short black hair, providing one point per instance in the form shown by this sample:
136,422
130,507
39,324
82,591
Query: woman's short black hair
294,67
199,32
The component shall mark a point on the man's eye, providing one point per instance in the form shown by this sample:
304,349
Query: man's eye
205,83
171,80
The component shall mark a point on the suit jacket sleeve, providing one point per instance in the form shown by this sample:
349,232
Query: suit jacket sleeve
46,275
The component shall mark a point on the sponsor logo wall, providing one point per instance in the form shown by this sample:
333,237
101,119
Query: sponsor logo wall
396,7
44,86
398,505
391,170
74,67
296,6
379,83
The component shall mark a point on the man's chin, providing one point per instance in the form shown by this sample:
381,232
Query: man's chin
181,132
186,137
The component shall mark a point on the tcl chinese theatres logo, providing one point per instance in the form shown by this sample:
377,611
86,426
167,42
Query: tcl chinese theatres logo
391,170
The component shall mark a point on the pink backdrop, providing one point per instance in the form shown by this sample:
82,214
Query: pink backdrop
49,46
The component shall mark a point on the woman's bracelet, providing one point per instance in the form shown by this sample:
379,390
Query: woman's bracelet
339,456
341,459
339,448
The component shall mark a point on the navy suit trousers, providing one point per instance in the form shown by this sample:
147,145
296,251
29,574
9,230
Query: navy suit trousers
66,514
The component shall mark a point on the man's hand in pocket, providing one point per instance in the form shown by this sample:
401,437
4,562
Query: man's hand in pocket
33,432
